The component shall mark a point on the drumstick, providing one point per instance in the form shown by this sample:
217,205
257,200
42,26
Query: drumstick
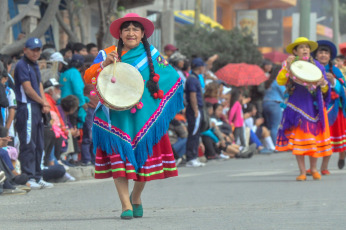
113,80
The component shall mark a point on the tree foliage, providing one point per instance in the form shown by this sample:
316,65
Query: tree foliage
231,45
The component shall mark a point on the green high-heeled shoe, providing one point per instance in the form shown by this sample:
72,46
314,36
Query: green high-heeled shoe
127,214
137,209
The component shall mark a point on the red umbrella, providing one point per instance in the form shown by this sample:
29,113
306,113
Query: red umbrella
276,56
241,74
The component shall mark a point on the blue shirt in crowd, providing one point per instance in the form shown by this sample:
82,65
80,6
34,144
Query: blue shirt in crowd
193,85
26,70
275,92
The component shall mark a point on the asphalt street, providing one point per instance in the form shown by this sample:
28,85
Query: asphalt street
258,193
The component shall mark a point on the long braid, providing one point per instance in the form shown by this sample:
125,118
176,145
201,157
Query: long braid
151,84
331,68
120,47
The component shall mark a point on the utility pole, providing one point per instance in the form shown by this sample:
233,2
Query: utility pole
336,26
304,25
197,13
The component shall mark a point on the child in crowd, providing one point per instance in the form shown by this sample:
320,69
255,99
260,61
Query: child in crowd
230,148
235,116
218,140
304,127
257,130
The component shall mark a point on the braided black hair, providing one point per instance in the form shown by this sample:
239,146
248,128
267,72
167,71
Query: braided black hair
120,47
151,84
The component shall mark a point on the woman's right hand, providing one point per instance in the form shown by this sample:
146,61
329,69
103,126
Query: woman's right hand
289,61
110,58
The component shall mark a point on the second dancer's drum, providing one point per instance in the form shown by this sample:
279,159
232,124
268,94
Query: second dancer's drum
304,72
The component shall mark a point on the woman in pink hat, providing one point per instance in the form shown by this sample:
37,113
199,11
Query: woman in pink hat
133,144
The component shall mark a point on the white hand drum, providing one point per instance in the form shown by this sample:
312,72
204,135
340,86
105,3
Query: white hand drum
305,72
122,92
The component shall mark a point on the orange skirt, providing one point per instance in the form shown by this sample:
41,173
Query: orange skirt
305,143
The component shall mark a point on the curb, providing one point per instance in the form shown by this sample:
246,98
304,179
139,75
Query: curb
82,172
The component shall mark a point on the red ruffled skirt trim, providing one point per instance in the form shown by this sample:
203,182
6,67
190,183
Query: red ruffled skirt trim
160,165
338,133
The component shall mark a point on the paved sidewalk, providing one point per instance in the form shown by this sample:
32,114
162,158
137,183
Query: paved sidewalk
258,193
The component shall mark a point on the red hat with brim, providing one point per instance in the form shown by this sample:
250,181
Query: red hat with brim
342,48
147,24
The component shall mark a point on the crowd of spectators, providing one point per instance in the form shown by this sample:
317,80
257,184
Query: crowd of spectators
221,121
46,115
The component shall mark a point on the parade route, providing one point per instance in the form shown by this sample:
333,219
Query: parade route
257,193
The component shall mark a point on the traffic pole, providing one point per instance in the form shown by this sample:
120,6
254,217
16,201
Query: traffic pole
336,25
304,24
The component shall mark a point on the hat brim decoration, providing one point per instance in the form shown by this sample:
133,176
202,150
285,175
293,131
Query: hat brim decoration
331,45
302,40
147,24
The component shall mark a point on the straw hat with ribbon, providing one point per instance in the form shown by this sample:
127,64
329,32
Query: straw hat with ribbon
147,24
301,40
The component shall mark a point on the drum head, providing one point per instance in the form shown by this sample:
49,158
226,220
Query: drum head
306,71
126,91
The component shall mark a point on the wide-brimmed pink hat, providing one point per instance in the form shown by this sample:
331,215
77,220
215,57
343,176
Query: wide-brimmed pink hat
147,24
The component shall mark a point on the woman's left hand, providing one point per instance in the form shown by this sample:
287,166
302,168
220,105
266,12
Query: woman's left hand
330,78
322,82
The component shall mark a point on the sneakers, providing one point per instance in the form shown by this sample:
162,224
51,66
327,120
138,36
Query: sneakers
247,152
69,178
194,163
265,151
34,185
45,184
178,161
223,156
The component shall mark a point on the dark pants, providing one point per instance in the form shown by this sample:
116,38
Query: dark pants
29,126
51,141
192,140
239,134
211,151
53,172
74,121
87,144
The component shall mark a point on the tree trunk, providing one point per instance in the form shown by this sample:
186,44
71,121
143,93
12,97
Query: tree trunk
101,32
3,20
70,9
197,13
81,28
72,37
41,28
108,39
